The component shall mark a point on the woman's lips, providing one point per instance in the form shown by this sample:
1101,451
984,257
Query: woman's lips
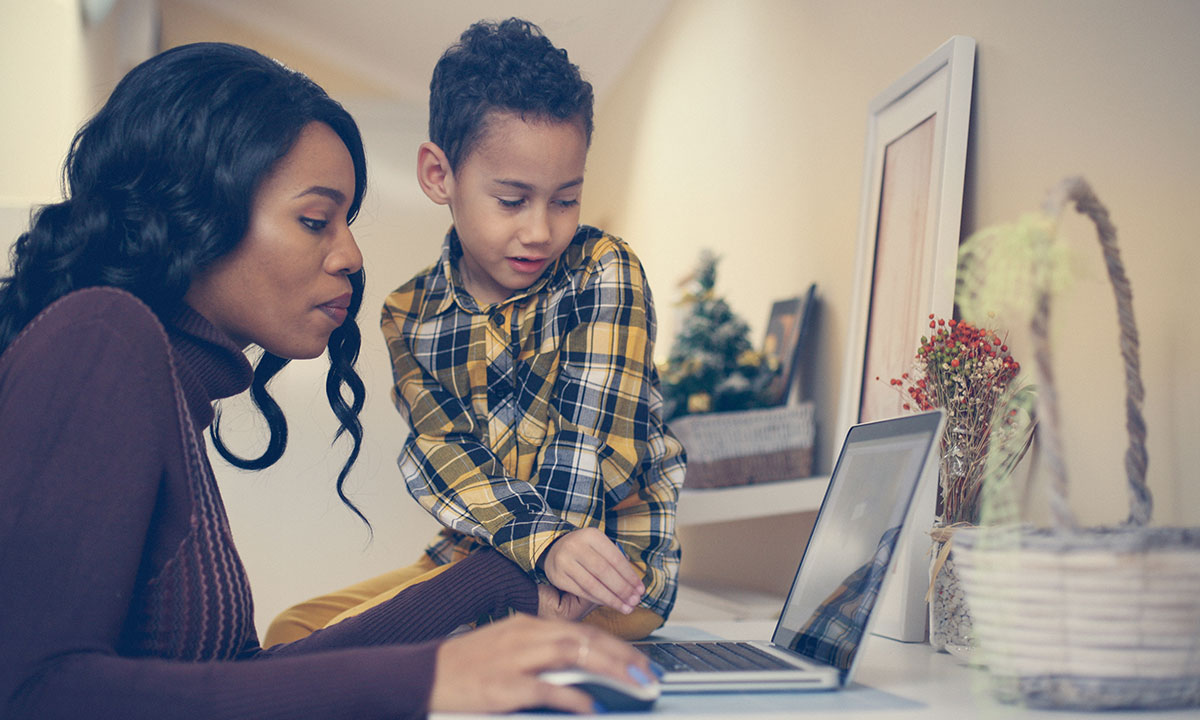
337,309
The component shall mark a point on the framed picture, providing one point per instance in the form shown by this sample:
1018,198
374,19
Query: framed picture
908,227
904,270
785,340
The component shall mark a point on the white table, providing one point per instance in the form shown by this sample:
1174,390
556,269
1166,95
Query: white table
894,681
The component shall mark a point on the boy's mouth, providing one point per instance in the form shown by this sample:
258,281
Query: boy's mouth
527,264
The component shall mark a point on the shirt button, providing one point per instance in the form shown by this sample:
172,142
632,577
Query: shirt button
498,319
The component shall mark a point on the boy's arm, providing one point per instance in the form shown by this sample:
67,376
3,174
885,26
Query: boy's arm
463,484
457,478
451,473
608,454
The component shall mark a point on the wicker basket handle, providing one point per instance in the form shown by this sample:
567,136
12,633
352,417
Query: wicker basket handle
1076,190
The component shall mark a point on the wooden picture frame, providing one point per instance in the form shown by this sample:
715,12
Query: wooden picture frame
909,225
905,262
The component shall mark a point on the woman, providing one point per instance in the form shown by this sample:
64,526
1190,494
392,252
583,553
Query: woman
208,209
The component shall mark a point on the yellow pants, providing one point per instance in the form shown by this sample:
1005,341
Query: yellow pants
303,619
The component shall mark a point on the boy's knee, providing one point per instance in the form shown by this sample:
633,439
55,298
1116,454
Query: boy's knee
295,623
634,626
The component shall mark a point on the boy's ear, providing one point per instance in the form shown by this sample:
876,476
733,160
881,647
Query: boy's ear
433,173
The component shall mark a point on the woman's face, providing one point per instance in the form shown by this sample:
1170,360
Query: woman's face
285,286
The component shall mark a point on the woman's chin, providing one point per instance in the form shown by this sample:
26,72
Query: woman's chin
299,351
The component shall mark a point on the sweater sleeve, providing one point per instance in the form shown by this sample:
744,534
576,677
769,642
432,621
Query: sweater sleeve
81,396
482,585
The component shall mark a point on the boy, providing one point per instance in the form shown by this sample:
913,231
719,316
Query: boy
523,358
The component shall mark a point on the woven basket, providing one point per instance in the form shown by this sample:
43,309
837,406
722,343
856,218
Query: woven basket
748,446
1087,619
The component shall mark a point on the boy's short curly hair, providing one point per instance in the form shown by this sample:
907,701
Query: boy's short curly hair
512,66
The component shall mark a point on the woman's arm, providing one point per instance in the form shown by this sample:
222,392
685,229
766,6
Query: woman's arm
84,399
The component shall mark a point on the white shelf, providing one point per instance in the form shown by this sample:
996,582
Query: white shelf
743,502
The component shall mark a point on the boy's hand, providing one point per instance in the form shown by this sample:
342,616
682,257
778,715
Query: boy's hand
556,604
587,564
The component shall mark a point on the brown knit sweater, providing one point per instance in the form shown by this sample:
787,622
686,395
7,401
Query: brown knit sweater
121,591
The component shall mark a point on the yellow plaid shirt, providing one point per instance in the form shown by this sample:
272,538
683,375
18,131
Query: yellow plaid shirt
540,414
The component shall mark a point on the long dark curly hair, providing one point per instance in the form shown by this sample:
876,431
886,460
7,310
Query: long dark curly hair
160,183
510,66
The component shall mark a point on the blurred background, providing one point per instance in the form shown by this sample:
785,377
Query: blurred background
738,127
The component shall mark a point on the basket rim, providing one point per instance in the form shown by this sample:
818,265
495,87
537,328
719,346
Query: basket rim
1124,538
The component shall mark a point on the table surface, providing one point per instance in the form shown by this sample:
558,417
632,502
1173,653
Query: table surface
894,681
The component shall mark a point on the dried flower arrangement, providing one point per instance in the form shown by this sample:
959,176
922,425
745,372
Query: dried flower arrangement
968,371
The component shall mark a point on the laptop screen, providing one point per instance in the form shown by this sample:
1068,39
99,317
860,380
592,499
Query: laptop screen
844,564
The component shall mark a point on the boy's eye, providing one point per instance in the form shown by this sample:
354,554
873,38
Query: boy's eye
511,203
313,223
568,203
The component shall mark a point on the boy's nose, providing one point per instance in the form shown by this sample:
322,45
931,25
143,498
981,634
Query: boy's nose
537,229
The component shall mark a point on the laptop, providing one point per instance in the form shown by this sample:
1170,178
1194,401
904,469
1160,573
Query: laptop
829,608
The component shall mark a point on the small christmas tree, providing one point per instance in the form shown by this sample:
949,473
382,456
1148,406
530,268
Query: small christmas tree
712,366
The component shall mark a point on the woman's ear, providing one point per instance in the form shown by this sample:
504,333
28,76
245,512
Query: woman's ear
433,173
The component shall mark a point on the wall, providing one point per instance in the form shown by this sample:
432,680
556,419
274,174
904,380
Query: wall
742,128
35,142
56,70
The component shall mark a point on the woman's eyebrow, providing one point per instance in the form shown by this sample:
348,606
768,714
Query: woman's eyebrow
333,194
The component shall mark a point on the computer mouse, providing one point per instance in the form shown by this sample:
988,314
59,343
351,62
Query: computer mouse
612,695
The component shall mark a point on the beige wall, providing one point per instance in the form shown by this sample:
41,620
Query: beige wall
52,93
54,71
741,127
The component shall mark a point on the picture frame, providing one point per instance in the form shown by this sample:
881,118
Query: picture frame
909,225
781,341
905,262
804,356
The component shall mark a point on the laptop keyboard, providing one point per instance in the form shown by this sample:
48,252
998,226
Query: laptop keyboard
709,656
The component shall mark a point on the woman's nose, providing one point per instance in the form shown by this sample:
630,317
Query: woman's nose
346,257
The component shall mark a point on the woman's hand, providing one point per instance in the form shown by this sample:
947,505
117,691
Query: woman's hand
585,563
495,668
558,605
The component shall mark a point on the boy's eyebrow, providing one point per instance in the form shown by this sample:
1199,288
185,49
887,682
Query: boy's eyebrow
333,194
517,184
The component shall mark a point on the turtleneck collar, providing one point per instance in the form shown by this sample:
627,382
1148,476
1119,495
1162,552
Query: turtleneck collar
210,365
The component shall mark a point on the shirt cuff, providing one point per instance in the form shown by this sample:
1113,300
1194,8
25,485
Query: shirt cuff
526,539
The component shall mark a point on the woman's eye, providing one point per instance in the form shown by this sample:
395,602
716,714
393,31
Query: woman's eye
313,223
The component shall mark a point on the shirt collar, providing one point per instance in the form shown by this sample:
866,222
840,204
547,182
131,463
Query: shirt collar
446,288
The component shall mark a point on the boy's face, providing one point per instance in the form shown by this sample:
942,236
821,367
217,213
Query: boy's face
515,203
